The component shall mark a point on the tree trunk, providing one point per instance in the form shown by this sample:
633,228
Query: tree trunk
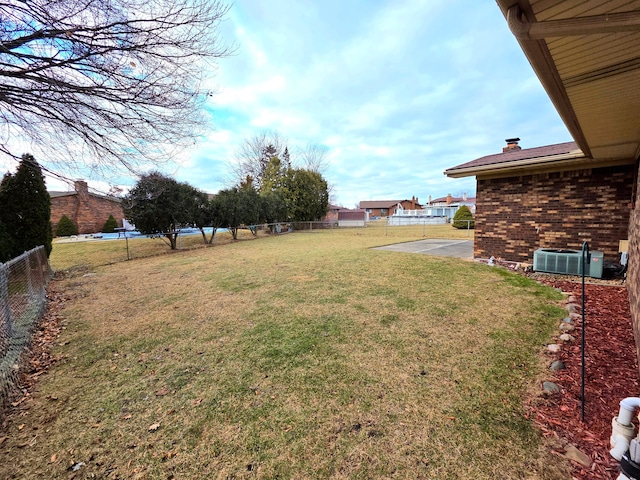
172,240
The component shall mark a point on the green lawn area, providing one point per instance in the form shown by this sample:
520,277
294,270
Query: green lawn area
306,355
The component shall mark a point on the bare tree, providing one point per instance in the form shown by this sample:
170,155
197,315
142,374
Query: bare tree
254,154
314,158
109,83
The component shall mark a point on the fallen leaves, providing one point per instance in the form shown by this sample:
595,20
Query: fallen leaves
154,426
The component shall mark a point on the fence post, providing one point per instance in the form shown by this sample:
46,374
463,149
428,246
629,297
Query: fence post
27,268
5,311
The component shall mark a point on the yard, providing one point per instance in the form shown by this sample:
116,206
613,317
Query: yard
305,355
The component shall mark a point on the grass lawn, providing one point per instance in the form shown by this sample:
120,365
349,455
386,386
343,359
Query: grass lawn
307,355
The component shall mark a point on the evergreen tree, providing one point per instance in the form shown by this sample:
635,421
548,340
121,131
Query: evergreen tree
463,218
66,227
110,225
160,205
6,242
236,208
26,209
286,158
306,195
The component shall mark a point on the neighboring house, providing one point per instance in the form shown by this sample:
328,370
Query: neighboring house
352,218
86,210
547,197
332,213
415,217
450,201
587,61
384,208
448,206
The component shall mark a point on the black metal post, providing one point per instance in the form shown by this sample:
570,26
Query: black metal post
586,260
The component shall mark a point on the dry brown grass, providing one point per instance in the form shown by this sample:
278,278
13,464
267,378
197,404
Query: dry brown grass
301,356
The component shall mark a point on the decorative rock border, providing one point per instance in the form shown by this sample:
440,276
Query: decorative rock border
566,326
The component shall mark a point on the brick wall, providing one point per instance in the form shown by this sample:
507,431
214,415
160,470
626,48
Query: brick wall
87,211
517,215
633,273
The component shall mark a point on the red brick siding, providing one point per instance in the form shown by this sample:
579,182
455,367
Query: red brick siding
633,273
88,212
517,215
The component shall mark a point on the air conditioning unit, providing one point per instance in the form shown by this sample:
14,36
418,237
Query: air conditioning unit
567,262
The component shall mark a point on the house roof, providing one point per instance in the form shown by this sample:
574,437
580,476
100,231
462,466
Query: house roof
453,199
379,203
386,203
586,56
56,194
561,155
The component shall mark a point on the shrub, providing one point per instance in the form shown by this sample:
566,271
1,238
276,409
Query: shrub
110,225
66,227
460,218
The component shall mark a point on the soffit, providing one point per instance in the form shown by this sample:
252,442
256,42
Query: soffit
593,79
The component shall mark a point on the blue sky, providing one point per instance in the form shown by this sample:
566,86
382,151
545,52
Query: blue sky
397,92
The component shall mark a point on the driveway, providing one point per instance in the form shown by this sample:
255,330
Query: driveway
435,246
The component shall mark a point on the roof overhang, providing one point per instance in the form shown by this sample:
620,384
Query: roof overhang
530,166
587,56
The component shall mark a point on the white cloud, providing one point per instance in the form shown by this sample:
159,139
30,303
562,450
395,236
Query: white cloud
398,92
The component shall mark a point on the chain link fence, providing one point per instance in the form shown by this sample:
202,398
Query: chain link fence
22,303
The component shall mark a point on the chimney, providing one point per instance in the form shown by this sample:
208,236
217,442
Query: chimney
413,202
82,189
512,144
448,199
429,199
464,197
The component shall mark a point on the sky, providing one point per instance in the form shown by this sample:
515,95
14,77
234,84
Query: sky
397,92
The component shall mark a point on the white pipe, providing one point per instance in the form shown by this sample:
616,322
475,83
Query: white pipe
620,446
627,406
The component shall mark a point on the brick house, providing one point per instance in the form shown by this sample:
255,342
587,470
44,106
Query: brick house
586,57
384,208
86,210
547,197
332,213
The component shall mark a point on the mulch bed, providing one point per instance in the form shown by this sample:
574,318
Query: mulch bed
611,374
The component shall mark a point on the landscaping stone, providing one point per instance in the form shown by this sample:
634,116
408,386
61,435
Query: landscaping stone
554,347
567,320
565,337
572,308
572,453
550,387
557,365
572,298
575,316
567,327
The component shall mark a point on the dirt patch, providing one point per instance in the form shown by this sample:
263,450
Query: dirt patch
611,374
